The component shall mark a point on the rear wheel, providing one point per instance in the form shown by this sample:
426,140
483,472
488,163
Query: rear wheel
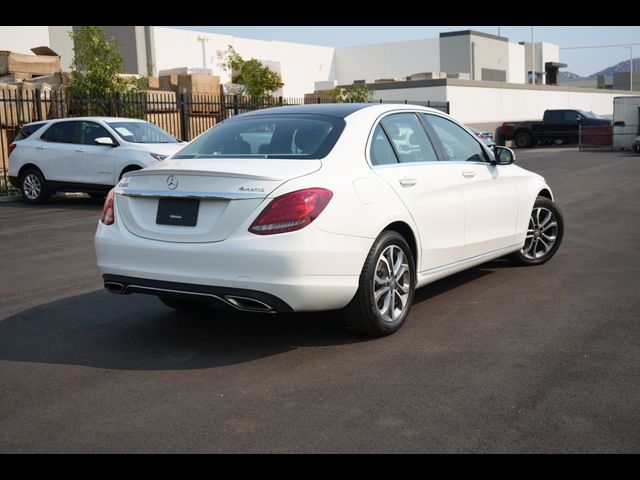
523,140
386,288
544,234
34,186
190,306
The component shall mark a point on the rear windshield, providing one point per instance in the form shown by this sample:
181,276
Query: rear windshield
28,130
295,136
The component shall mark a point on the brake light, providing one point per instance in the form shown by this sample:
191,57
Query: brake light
12,147
291,211
107,216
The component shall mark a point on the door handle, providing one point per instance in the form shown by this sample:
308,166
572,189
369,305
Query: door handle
468,174
408,182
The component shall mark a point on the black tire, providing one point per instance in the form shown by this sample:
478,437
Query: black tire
188,306
363,313
523,140
34,186
528,254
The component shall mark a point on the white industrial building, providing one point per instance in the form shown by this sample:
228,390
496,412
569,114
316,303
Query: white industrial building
484,77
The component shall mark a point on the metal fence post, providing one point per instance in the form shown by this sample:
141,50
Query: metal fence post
448,113
184,123
38,104
579,137
236,107
118,104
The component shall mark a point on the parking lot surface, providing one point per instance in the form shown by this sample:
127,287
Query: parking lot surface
495,359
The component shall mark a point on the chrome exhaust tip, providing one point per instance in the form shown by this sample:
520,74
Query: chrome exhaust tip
114,287
248,304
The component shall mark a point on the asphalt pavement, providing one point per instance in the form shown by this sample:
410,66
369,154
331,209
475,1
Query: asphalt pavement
495,359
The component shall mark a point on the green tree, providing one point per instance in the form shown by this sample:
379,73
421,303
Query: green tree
352,94
258,80
95,70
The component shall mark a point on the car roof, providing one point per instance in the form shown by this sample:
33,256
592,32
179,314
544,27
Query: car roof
104,119
340,110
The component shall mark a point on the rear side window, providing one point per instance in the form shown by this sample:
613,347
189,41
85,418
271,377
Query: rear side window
381,152
409,138
554,117
295,136
27,130
61,132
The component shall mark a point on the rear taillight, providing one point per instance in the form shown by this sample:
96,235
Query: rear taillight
12,147
292,211
108,216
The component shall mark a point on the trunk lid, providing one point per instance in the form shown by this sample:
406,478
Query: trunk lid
228,191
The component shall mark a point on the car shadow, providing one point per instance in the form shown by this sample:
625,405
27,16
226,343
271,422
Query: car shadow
137,332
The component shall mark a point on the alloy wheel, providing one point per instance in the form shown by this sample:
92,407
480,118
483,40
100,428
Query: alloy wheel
541,234
31,186
391,283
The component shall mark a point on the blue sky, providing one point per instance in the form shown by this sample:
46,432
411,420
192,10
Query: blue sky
583,62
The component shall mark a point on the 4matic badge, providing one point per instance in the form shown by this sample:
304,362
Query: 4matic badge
252,189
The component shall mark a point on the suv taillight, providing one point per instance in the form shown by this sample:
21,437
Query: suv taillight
108,216
291,211
12,147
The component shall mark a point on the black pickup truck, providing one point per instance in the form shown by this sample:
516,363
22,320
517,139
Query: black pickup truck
557,126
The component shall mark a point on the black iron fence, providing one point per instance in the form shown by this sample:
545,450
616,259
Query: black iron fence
185,116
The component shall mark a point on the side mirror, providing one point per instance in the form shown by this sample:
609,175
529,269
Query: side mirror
579,119
503,155
107,141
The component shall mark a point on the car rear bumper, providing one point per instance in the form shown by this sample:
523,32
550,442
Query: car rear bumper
307,270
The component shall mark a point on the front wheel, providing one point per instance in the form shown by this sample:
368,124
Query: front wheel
544,234
386,288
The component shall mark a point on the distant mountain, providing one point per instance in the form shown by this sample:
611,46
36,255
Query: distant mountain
619,67
564,76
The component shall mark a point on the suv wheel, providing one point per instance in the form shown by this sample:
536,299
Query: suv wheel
34,187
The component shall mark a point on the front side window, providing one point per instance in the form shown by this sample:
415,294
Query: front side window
141,132
458,144
295,136
89,131
409,138
61,132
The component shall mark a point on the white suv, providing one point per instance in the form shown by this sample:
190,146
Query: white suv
88,154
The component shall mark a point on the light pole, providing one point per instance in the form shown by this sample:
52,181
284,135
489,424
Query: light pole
630,47
533,59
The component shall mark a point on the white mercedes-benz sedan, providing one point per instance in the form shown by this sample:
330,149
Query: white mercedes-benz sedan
322,207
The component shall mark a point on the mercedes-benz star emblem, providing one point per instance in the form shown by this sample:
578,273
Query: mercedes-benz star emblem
172,182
